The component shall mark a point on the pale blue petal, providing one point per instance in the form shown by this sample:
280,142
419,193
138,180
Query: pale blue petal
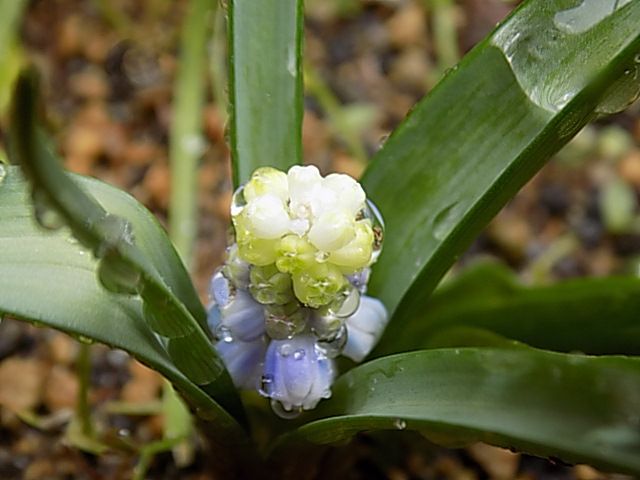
364,328
243,316
299,378
243,361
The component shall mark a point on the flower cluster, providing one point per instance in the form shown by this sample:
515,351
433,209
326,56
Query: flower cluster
290,296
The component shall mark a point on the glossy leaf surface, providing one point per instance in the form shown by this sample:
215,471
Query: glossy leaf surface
50,279
265,84
486,128
590,315
578,408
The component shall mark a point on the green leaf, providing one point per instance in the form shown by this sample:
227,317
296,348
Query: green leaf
265,84
10,55
591,315
123,268
484,131
48,278
581,409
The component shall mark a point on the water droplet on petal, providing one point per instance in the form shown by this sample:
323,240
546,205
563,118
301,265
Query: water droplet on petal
238,202
321,256
284,321
223,334
299,354
347,303
360,279
266,385
282,412
333,346
285,349
372,213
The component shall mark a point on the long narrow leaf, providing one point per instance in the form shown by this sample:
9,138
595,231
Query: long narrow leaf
579,408
123,268
265,84
593,315
186,140
487,127
50,279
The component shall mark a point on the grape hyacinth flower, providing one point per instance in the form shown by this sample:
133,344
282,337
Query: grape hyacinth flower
290,297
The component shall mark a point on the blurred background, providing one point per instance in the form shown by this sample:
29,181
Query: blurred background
109,69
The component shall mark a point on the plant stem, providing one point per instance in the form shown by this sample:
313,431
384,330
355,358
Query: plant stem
445,36
186,142
83,367
332,108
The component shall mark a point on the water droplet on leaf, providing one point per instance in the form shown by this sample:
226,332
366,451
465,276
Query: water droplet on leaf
45,213
118,275
400,424
444,221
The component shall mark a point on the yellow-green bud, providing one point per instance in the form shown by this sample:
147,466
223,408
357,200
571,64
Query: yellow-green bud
267,180
318,284
294,254
357,253
256,251
270,286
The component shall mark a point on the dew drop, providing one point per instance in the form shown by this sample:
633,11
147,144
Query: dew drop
586,15
282,412
321,257
324,325
333,346
3,173
285,349
346,304
238,201
444,221
223,334
266,385
622,92
85,340
360,280
45,214
400,424
206,413
114,231
292,64
284,321
299,354
118,275
372,213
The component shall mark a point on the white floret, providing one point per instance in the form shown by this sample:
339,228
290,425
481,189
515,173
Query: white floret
267,217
